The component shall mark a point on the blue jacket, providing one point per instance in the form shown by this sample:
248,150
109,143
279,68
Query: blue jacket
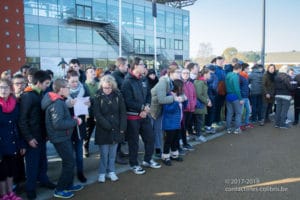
171,116
244,86
212,84
10,141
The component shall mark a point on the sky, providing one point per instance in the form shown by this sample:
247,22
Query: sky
238,23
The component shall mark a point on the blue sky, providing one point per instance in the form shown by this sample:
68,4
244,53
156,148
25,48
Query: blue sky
238,23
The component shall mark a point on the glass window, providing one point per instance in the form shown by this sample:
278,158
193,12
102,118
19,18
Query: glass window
79,11
139,46
161,22
99,10
48,8
87,12
178,24
31,7
186,45
178,44
161,43
169,22
149,44
113,11
48,33
84,35
139,19
186,25
98,39
66,8
31,32
67,35
148,19
127,15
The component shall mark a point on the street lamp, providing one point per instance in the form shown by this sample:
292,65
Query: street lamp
262,56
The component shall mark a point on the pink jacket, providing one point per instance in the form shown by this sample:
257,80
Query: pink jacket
190,93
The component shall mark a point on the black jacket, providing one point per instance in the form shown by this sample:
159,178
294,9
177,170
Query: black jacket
119,76
283,84
110,115
136,94
32,117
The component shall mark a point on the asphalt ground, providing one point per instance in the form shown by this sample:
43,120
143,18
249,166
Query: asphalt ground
261,163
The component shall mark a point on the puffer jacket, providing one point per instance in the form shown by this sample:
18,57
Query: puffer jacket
256,82
59,122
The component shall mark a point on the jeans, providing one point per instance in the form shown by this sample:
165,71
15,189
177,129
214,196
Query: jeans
282,107
78,148
158,133
256,102
36,165
233,108
65,151
266,110
247,111
108,154
134,129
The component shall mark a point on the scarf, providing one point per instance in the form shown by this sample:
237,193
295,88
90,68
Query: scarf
9,105
77,92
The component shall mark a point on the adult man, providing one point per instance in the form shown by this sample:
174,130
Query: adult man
137,100
32,128
234,100
221,90
119,75
75,65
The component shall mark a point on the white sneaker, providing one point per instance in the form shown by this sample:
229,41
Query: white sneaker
101,178
112,176
202,138
151,164
138,170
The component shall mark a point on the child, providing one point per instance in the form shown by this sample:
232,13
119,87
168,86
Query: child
9,140
171,123
60,125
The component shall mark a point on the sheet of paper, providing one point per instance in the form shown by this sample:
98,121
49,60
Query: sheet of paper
79,107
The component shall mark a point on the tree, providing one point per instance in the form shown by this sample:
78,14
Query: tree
252,56
205,50
230,53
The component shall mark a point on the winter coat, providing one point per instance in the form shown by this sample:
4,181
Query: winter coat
283,84
256,82
120,77
10,140
190,93
244,84
136,94
202,96
159,96
59,122
297,92
110,115
172,115
212,84
32,117
269,87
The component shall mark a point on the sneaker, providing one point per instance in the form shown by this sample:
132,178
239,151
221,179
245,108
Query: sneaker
188,147
13,196
202,138
249,126
243,127
112,176
167,162
276,126
81,177
75,188
151,164
210,130
182,152
138,170
63,194
237,131
261,123
101,178
228,131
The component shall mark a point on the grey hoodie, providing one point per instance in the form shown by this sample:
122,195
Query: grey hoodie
59,123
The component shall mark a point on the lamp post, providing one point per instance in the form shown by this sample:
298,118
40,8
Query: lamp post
262,56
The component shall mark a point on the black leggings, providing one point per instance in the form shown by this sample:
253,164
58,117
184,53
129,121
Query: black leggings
171,141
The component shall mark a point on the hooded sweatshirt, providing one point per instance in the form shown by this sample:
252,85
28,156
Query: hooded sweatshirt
59,123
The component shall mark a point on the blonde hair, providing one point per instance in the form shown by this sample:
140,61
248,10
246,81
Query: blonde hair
110,80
